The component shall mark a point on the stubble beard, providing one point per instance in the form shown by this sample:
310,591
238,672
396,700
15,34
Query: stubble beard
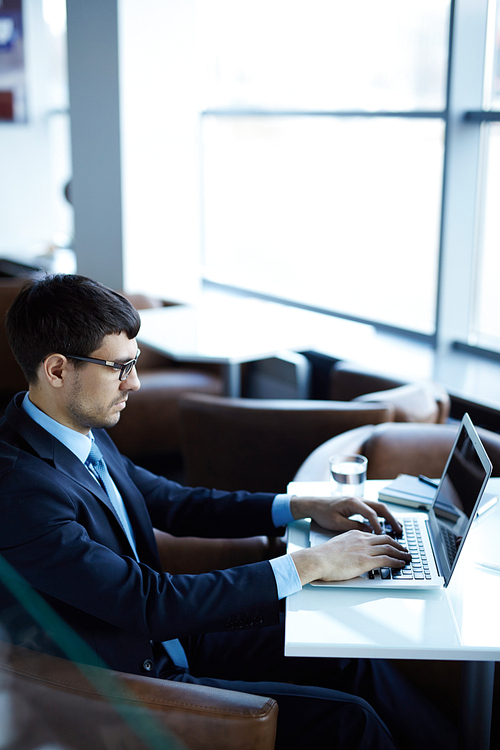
84,415
92,421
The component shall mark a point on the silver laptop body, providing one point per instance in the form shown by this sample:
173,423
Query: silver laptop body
437,540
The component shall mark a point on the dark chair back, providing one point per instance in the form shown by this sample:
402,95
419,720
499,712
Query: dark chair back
420,401
259,444
12,379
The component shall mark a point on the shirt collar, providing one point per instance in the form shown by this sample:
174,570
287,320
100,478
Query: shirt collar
76,442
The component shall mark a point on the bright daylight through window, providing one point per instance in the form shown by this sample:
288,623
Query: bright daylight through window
323,142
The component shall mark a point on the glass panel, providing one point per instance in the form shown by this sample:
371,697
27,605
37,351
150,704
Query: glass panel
339,213
485,330
323,54
45,703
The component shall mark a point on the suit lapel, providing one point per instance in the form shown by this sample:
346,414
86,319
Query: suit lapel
67,463
78,472
134,504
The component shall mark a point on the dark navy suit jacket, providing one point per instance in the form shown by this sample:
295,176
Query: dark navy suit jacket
58,529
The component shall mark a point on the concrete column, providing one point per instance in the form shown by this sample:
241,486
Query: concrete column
95,135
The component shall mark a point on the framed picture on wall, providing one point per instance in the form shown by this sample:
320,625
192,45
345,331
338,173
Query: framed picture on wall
12,72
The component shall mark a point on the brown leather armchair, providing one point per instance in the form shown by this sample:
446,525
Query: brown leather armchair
394,449
420,401
52,700
197,555
12,379
259,444
149,429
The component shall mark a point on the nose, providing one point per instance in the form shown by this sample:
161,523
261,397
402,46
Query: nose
132,383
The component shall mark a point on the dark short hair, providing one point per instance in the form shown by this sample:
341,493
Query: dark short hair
67,314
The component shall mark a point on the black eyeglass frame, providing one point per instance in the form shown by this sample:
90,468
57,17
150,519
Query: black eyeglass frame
125,368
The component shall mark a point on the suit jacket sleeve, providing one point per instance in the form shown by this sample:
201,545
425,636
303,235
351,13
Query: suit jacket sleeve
198,511
66,542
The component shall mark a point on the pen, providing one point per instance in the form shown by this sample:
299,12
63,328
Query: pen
487,505
428,481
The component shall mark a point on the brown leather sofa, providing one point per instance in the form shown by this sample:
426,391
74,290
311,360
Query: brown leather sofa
54,701
259,444
394,449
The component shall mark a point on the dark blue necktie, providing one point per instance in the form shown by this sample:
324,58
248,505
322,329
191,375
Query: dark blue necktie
96,461
97,466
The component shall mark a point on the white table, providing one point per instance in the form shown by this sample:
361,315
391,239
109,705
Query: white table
229,330
459,623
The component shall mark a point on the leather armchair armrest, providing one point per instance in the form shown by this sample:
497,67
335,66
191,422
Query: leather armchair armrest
209,718
81,707
195,555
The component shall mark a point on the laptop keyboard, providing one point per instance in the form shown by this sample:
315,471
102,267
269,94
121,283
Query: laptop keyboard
418,569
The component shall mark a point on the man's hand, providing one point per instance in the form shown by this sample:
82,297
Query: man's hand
334,513
348,555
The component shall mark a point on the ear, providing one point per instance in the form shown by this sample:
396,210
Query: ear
55,370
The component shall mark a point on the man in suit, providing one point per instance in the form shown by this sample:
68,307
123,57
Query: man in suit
77,523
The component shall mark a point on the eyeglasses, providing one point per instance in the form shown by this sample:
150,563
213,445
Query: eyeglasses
125,368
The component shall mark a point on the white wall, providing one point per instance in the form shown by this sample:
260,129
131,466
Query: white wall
160,148
30,211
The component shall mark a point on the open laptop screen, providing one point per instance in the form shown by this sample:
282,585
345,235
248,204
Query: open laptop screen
462,483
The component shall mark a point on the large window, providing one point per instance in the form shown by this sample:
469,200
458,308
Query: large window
351,158
323,133
336,213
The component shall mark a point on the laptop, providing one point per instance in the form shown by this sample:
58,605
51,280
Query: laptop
434,542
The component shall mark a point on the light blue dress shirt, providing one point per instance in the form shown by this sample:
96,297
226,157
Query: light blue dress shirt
285,572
